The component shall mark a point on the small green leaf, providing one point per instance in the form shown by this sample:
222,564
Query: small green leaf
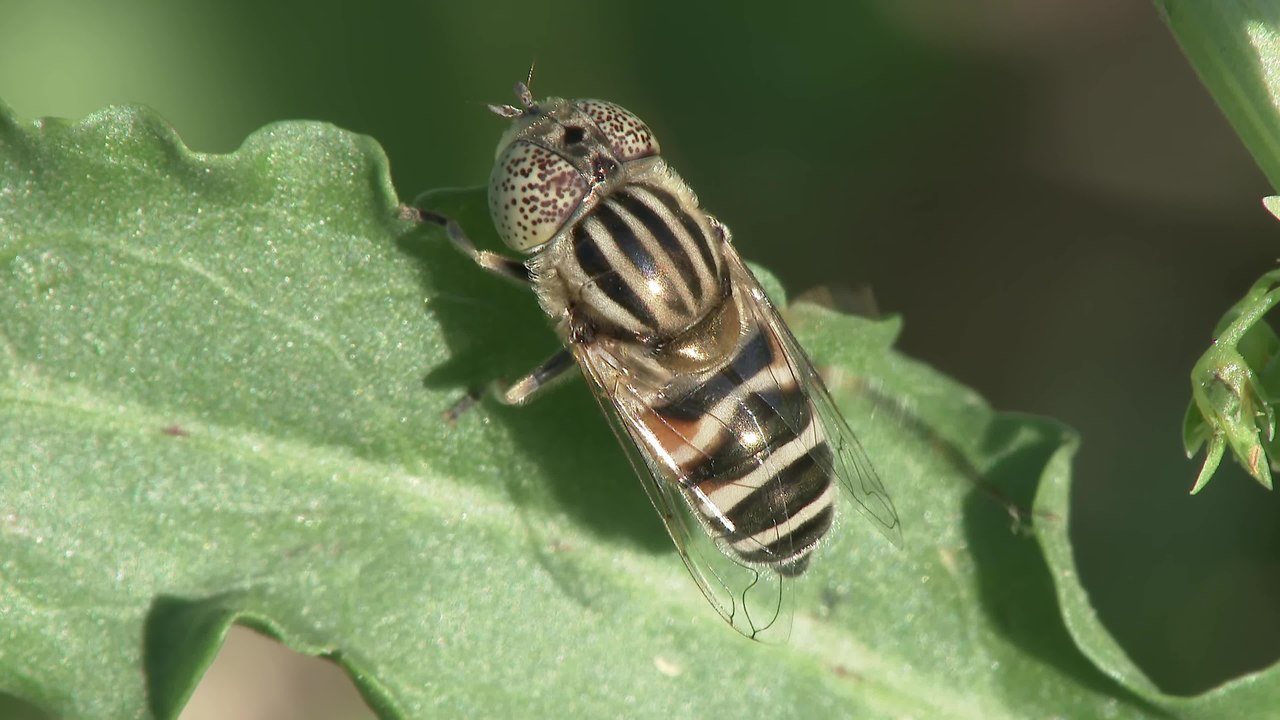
225,387
1231,400
1272,204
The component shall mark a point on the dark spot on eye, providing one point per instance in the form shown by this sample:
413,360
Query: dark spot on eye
574,134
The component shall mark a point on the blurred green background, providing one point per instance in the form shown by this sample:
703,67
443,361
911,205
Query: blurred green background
1042,189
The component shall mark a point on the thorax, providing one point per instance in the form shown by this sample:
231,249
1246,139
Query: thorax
642,263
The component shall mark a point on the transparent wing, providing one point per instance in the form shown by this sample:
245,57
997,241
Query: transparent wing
754,600
849,462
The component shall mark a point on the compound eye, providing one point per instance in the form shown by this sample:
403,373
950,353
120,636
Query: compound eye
532,192
629,137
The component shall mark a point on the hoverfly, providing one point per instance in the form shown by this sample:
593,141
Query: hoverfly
731,429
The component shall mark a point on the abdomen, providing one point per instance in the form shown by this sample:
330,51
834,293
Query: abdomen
751,455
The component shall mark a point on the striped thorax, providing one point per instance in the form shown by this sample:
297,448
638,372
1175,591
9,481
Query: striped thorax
736,439
615,234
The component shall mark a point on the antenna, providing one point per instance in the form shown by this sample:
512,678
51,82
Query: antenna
523,94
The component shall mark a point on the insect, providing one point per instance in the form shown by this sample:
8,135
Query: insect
731,429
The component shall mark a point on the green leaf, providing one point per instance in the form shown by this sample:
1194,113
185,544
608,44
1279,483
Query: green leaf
224,397
1254,695
1235,46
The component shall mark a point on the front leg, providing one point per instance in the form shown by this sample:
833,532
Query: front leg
493,262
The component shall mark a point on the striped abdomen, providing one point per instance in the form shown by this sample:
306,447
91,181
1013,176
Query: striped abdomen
643,264
752,456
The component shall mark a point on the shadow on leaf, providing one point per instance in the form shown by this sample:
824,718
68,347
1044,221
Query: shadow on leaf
495,331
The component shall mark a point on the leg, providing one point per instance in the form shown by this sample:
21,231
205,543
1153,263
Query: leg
519,392
493,262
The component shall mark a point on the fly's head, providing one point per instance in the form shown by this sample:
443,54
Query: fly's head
554,157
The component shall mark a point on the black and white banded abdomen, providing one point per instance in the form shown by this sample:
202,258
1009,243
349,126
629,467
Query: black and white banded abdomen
752,457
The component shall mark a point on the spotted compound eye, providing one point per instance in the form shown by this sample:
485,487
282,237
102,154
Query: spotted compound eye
532,192
629,137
